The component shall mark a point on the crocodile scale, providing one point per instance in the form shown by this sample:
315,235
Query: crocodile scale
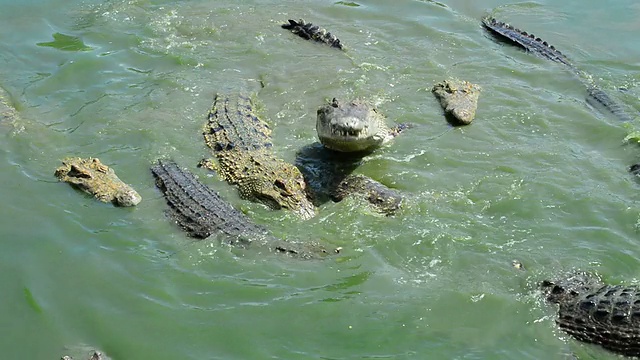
241,143
595,97
598,313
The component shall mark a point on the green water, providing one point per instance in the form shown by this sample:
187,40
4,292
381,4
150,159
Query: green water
539,176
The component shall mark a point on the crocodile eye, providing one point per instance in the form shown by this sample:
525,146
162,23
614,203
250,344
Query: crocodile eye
280,185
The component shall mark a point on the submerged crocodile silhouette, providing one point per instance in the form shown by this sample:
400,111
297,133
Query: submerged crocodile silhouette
598,313
596,97
202,212
242,145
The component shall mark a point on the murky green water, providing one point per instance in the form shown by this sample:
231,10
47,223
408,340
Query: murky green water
539,176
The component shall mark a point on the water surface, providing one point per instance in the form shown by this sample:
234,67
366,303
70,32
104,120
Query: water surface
539,176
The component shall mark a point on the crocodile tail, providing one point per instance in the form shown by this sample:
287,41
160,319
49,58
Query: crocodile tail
528,41
597,97
309,31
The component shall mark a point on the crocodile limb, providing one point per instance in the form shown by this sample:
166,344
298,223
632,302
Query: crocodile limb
241,143
309,31
596,97
202,212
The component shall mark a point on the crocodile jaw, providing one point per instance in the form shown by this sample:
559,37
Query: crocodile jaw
349,134
350,126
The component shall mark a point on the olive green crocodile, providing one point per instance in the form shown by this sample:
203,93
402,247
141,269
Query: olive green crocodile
97,179
241,143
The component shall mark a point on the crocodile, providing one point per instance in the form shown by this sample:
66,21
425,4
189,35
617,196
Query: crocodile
595,312
459,99
596,97
241,142
97,179
202,212
347,132
309,31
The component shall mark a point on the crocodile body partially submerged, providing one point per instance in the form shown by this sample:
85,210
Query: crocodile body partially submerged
595,96
241,143
527,41
97,179
597,313
201,212
309,31
459,99
348,131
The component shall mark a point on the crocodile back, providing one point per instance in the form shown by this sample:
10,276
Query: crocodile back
528,41
201,212
597,97
198,209
233,125
608,315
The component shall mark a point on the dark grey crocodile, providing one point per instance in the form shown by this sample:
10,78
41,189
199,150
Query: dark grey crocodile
353,126
202,212
598,98
312,32
83,352
527,41
241,143
595,96
598,313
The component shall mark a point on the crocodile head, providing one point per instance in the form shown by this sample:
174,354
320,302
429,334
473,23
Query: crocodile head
280,185
351,127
